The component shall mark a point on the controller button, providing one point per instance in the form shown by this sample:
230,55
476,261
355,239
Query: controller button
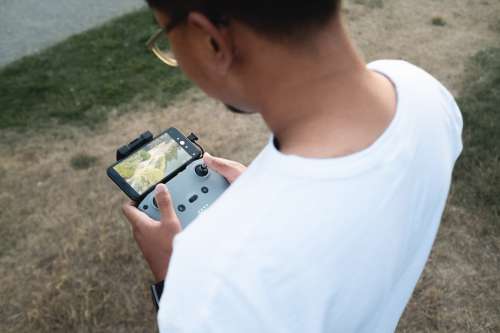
155,203
181,208
201,170
193,198
204,189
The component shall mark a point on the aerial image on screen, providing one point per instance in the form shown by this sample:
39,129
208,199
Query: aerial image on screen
152,163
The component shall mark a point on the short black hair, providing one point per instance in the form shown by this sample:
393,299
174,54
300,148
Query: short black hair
282,19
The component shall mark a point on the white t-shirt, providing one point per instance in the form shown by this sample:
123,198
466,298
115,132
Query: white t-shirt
322,245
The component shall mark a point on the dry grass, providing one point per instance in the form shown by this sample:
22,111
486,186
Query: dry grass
69,263
403,29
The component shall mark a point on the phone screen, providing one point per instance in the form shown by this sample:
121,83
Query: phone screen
152,163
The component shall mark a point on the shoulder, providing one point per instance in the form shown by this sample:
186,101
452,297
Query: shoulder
428,98
405,74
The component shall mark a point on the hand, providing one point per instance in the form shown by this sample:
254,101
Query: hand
155,238
227,168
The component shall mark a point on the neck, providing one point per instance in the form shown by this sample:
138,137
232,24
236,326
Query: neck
317,94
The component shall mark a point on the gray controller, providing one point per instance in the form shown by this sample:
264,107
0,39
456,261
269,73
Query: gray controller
192,191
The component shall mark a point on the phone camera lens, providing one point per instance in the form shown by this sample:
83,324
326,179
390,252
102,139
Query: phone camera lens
204,189
155,203
181,208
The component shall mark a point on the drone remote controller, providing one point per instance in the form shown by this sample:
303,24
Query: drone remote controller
193,187
192,191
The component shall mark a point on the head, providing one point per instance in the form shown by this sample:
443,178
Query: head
222,45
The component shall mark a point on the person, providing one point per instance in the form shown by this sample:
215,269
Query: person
330,226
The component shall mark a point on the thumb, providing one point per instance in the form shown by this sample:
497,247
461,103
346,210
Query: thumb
164,201
227,168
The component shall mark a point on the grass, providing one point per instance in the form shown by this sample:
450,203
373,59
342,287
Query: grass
68,261
459,289
370,3
438,21
495,26
80,80
478,172
82,161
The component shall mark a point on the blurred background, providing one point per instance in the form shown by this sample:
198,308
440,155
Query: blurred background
76,82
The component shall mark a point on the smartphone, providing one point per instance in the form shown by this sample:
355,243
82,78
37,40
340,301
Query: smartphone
156,162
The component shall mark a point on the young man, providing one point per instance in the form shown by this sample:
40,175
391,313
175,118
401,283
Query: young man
330,226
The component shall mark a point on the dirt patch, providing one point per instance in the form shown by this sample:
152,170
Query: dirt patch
69,263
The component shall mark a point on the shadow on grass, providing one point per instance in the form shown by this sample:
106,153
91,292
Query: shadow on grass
78,81
477,175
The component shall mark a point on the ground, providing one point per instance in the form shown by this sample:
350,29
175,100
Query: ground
67,258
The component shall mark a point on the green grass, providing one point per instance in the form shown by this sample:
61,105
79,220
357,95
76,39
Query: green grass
438,21
82,161
478,171
370,3
81,79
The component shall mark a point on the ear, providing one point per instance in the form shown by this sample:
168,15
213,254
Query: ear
218,42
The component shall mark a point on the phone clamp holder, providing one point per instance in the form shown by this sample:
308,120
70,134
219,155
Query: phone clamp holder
144,139
133,145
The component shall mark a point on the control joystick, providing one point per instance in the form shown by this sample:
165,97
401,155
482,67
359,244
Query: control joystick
201,170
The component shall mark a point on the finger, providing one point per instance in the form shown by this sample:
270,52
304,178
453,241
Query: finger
218,164
227,168
134,215
164,201
207,158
